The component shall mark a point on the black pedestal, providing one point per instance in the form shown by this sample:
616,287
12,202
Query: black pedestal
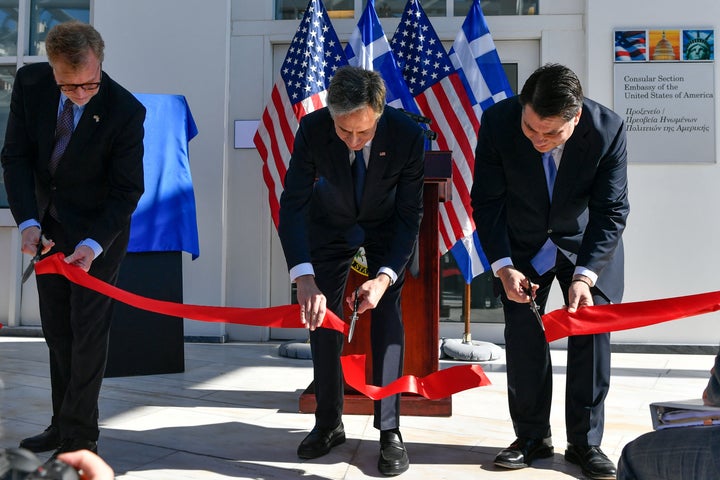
146,343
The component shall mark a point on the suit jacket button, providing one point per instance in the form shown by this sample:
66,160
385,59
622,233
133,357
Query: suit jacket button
53,187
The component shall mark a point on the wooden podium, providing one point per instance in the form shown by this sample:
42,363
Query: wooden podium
420,308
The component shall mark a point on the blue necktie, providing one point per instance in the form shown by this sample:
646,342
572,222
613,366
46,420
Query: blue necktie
550,171
546,257
359,170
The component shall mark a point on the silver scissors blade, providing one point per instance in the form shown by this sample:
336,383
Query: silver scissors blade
31,267
534,306
354,316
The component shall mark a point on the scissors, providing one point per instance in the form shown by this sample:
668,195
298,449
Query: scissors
533,305
354,316
31,267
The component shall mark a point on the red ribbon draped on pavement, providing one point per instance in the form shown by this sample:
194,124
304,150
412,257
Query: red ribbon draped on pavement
440,384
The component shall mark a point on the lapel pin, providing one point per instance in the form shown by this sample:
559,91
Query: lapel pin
382,154
96,118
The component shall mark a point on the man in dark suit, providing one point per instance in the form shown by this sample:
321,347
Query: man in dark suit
322,225
550,202
72,164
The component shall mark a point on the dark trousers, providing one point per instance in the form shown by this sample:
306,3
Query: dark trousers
529,368
387,338
75,323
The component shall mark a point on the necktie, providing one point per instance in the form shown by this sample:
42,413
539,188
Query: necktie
545,259
63,132
359,170
550,171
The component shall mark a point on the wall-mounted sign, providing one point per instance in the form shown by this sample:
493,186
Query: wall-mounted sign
665,90
244,133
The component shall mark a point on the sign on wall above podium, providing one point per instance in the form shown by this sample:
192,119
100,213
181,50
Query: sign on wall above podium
665,91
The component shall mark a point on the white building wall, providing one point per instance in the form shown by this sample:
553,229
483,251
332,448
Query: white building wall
182,47
673,232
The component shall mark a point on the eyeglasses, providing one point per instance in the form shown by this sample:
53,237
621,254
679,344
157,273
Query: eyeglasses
71,87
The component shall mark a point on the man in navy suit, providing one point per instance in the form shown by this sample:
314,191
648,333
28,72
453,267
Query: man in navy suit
322,225
72,163
550,202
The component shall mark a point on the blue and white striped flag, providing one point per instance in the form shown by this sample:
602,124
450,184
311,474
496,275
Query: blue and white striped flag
476,60
368,47
441,96
478,65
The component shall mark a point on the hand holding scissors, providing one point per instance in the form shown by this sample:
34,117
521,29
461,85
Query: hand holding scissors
43,246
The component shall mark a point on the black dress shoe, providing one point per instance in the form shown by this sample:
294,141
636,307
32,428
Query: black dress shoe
48,440
320,440
593,462
74,444
393,456
523,451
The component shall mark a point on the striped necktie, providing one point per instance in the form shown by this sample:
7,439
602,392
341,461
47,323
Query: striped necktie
63,132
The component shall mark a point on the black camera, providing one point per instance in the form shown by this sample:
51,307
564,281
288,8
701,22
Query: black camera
21,464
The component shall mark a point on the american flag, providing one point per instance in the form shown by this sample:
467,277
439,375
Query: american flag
630,45
441,96
369,48
314,55
477,62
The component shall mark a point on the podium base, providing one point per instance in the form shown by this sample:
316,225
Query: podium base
358,404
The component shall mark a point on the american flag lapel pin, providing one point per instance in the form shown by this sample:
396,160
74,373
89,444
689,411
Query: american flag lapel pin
382,154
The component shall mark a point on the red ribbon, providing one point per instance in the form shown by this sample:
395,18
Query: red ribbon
285,316
624,316
440,384
437,385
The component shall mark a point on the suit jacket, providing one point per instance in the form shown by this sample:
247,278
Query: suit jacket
99,179
511,205
317,206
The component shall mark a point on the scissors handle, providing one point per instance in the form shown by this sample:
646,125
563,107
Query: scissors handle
31,266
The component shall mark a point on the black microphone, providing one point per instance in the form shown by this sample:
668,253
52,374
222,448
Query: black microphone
416,117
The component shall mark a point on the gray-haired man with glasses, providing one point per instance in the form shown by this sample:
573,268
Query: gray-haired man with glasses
73,169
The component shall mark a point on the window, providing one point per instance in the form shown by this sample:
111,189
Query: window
23,26
394,8
498,7
288,9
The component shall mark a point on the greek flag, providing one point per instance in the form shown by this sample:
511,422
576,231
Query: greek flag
478,65
368,47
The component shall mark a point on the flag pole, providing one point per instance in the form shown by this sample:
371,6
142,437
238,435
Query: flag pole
467,336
